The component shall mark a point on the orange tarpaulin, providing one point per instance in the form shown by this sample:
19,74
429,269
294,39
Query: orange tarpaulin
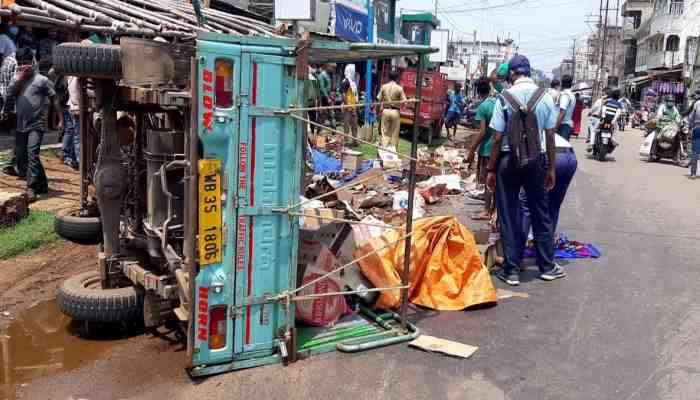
446,268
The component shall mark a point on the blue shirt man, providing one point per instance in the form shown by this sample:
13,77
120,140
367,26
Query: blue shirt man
523,89
506,180
454,110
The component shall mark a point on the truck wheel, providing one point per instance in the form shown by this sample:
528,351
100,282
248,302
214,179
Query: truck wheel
77,229
102,61
82,298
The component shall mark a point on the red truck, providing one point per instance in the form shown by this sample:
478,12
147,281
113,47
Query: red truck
432,111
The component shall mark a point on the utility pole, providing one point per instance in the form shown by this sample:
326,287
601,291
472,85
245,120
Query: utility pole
618,30
368,73
601,67
436,7
573,60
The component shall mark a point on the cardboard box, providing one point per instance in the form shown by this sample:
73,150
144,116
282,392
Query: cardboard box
352,160
320,218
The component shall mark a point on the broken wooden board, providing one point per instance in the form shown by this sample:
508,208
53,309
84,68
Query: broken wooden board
507,294
448,347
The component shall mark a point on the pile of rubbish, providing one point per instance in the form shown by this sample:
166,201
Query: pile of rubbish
354,209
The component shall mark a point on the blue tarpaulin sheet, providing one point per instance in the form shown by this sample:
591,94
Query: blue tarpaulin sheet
325,165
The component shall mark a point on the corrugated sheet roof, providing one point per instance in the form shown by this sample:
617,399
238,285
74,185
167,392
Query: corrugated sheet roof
167,18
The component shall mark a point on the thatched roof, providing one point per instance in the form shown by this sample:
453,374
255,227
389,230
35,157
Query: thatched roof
149,18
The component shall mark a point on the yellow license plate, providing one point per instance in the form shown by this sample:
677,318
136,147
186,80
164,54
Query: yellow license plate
209,212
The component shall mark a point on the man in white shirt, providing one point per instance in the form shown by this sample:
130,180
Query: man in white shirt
594,115
71,116
554,89
566,103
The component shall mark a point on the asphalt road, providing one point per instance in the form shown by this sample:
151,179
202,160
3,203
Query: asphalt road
625,327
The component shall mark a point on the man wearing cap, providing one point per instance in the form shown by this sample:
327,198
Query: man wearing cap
694,125
507,179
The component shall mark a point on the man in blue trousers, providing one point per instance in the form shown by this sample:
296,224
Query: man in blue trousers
509,172
565,167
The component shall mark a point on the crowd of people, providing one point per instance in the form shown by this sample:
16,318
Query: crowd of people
324,91
525,161
33,99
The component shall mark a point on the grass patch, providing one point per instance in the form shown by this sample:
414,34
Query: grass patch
32,232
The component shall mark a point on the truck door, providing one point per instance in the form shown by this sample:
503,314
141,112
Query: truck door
218,82
269,161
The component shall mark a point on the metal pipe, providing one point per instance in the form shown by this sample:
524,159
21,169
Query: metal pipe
148,15
47,20
89,12
54,10
190,203
115,14
411,194
349,347
19,10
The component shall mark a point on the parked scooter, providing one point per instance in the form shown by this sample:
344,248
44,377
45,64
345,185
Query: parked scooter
667,141
604,143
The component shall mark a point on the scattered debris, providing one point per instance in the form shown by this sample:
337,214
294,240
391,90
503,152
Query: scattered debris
401,203
352,160
13,208
449,347
507,294
325,310
389,160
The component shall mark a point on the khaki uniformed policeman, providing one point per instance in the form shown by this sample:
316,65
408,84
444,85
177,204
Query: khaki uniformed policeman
391,117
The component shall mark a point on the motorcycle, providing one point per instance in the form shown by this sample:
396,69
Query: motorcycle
604,143
667,141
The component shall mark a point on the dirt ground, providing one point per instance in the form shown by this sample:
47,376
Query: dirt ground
64,187
34,277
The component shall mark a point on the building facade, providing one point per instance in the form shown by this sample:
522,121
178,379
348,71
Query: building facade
661,38
479,57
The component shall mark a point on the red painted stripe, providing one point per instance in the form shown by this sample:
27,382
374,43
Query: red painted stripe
250,280
251,159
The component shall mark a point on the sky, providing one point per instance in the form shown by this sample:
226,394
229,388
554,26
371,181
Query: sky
545,28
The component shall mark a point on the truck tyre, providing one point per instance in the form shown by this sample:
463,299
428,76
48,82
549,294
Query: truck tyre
82,298
103,61
77,229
